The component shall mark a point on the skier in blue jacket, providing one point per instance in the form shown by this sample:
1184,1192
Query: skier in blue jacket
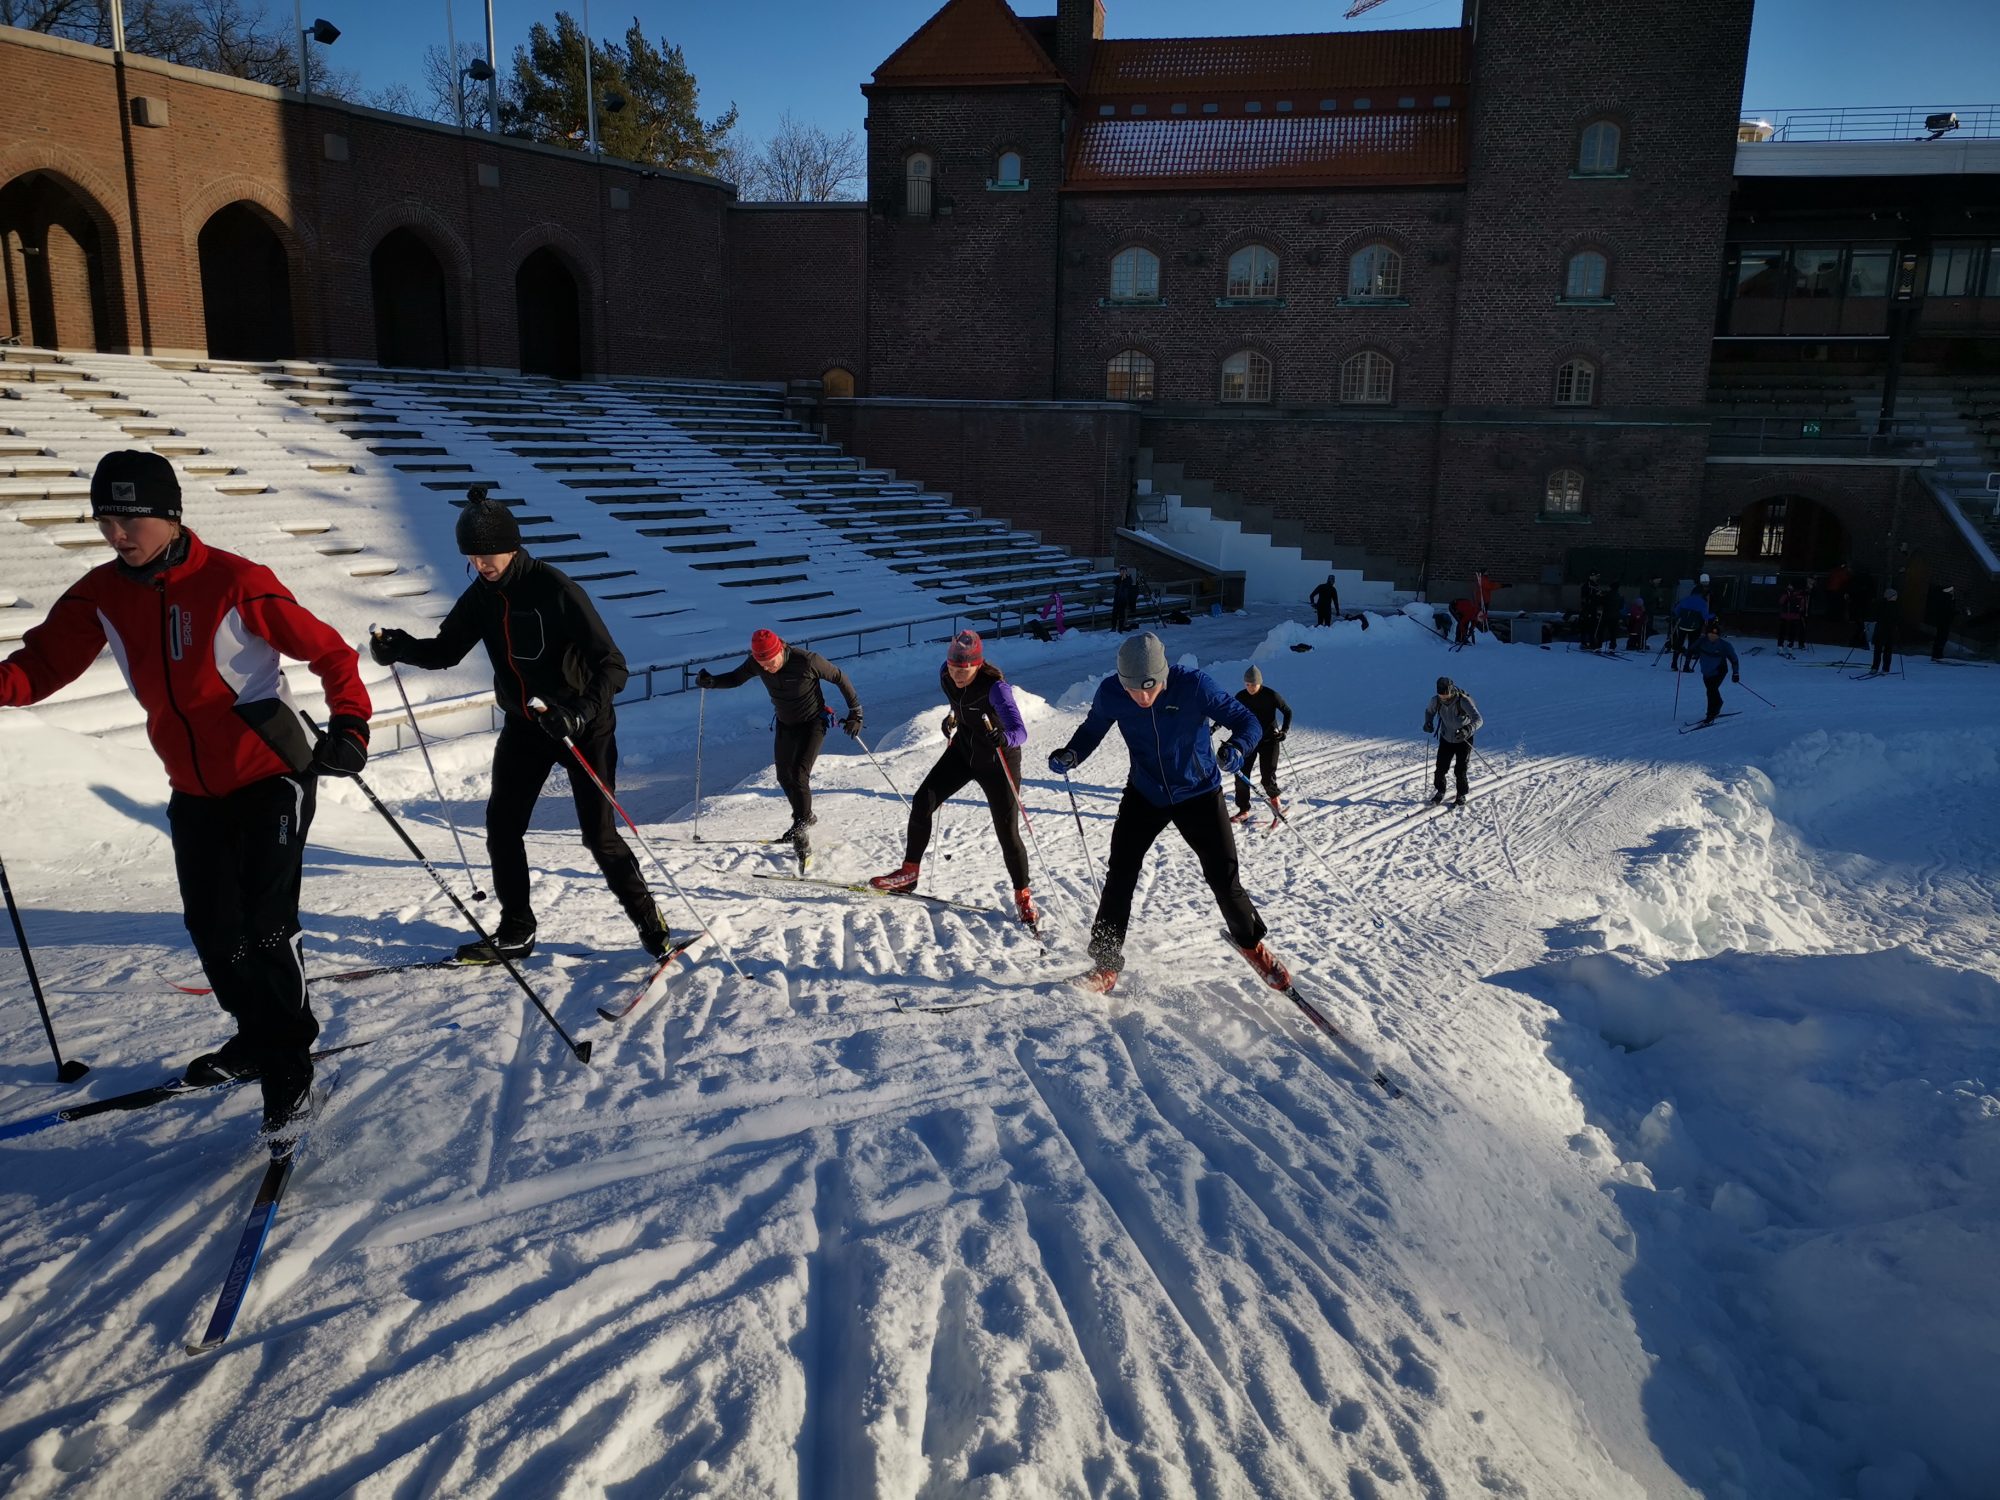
1690,616
1718,659
1175,778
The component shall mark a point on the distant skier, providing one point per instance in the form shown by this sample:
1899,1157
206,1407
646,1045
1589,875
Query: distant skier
545,640
1454,718
984,732
1888,625
1325,600
1163,713
199,634
1270,707
1638,625
1718,659
792,677
1690,617
1466,613
1943,613
1124,600
1590,614
1792,617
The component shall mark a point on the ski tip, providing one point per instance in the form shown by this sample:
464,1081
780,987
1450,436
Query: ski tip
609,1015
196,1349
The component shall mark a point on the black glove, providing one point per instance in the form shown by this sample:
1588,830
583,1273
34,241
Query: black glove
990,727
1427,727
388,647
342,748
1278,736
1735,679
1062,761
564,721
704,678
950,725
852,724
1229,757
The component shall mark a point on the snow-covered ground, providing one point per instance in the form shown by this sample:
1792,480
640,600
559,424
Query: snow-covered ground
1694,1187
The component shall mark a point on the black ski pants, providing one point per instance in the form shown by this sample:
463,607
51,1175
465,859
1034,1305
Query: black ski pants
1323,614
1452,755
1791,633
953,770
1941,634
1121,617
1202,820
794,749
239,858
1884,658
1713,685
1267,772
522,761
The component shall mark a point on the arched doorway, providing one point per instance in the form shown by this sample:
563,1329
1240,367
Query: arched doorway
55,283
411,326
837,383
549,317
1773,541
246,286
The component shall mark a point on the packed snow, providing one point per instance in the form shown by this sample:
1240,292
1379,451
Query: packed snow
1693,1187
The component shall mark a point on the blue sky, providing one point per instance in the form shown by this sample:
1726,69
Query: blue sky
810,57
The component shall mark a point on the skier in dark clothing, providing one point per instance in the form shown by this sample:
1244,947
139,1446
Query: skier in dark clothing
1124,600
1792,617
1274,719
199,634
1325,601
1717,659
1638,627
1454,718
792,677
1888,624
1689,618
1944,613
546,642
984,733
1163,713
1590,614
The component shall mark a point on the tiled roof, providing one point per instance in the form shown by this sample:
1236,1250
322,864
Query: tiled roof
968,42
1199,65
1390,146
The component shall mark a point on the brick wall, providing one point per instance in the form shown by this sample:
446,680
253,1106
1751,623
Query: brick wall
798,290
1062,470
963,304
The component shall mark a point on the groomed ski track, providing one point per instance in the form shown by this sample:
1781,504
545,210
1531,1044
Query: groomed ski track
781,1239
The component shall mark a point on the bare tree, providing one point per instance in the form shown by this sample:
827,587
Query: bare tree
741,162
801,163
446,87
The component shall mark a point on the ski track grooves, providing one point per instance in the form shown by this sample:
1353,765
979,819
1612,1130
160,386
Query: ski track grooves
830,1345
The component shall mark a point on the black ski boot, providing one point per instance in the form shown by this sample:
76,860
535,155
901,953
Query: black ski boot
802,843
653,934
514,939
287,1100
232,1060
1437,796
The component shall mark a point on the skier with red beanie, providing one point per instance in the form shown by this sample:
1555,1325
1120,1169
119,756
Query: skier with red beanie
199,634
792,676
984,732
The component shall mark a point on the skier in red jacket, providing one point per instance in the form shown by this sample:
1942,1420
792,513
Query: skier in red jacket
199,634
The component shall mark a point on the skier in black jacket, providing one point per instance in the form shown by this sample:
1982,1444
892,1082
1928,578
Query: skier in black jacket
1268,704
793,676
1124,600
546,641
1324,599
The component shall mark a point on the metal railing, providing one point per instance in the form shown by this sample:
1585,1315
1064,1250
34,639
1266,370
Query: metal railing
1842,436
1902,122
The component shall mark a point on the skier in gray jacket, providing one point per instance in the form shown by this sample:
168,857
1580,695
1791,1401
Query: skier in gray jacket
1454,718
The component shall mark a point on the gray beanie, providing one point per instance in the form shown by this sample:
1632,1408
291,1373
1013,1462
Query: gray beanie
1252,677
1142,662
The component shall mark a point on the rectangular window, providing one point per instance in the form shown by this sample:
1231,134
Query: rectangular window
1951,270
1816,271
1760,273
1868,271
1993,269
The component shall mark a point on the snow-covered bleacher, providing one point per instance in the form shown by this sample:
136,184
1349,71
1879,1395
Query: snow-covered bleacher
692,510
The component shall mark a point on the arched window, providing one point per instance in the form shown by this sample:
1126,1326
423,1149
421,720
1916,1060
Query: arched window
1576,383
1597,149
1007,171
1367,379
1588,273
837,383
1129,376
1135,275
917,185
1253,272
1564,496
1246,376
1375,273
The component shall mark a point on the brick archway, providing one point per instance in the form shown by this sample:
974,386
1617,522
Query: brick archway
248,292
60,281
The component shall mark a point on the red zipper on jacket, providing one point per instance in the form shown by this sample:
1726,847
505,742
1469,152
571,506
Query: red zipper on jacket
167,676
507,635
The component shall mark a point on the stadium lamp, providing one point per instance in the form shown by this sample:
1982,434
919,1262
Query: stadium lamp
613,101
1940,124
322,31
325,32
479,70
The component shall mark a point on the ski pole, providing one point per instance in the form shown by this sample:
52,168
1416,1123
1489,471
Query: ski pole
1279,814
1755,694
885,775
450,822
1679,673
581,1050
700,724
66,1072
1088,859
1022,803
591,771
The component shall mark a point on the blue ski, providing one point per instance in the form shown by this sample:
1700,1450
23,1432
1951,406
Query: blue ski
263,1213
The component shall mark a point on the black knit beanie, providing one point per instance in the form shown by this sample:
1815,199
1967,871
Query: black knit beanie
486,528
130,483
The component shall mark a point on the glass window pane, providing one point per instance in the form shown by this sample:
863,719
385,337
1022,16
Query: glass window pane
1868,271
1135,272
1375,271
1993,270
1815,270
1586,275
1565,493
917,186
1130,377
1951,271
1599,150
1010,167
1576,383
1253,272
1759,273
